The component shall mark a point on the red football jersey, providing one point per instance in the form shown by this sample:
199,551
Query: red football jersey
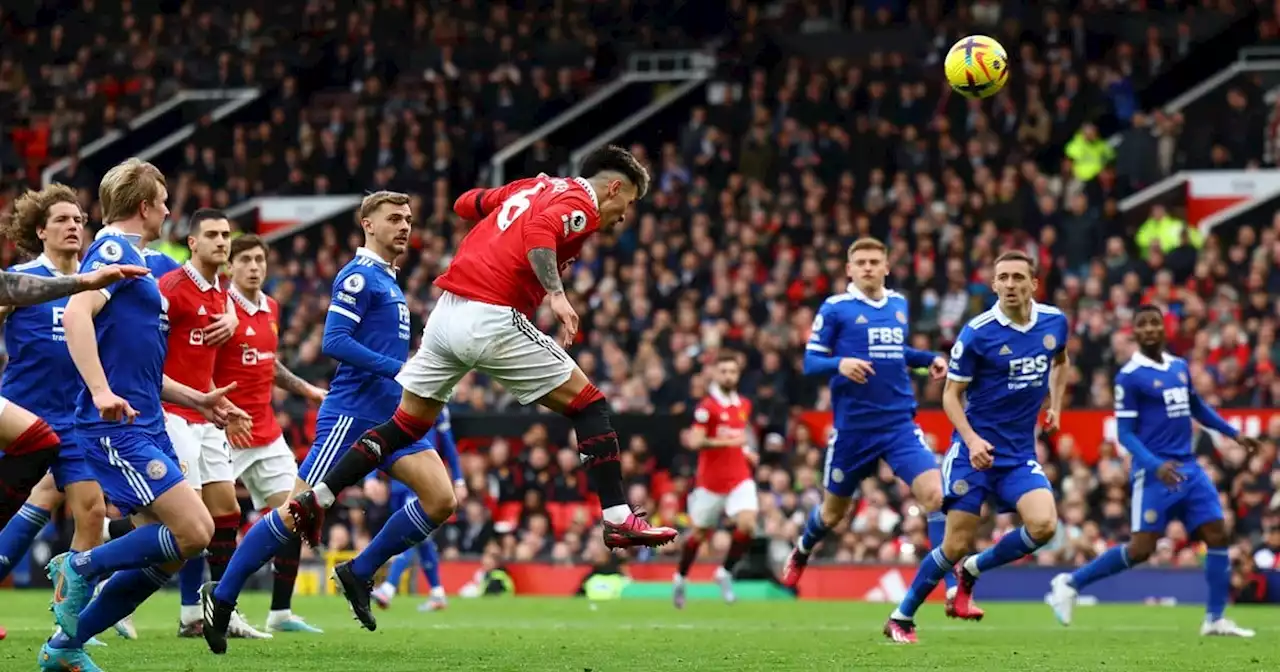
194,304
492,265
249,360
723,416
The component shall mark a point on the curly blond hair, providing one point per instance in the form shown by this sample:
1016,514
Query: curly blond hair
31,213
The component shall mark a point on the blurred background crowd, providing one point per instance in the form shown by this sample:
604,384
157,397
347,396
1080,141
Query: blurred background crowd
760,183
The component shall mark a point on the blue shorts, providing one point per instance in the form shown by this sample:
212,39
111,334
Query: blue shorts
853,456
966,489
71,466
334,435
133,466
1194,501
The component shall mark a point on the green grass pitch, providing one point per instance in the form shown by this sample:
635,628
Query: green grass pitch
525,634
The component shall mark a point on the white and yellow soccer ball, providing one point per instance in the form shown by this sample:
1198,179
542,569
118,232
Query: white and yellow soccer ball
977,67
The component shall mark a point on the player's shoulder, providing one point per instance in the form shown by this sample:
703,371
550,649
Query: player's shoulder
1049,313
272,306
359,273
33,267
982,321
173,279
113,249
840,301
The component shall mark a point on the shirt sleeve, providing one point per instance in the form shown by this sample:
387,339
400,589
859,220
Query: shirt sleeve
1126,397
544,229
702,417
105,253
825,329
964,358
350,297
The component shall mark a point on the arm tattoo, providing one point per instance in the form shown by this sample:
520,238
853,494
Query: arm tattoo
21,289
289,381
545,266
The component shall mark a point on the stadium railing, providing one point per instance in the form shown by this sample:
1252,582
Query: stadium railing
638,87
161,127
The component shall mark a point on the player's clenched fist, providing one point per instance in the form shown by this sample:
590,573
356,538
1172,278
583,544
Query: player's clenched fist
857,370
105,276
981,453
113,408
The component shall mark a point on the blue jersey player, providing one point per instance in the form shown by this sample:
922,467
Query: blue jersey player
117,340
1003,364
440,436
49,226
367,331
860,340
1155,404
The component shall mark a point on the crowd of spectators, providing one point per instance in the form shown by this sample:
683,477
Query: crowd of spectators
755,199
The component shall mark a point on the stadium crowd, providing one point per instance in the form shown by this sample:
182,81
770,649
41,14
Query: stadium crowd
756,198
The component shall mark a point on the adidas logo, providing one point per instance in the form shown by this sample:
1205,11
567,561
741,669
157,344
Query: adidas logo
202,311
249,331
892,588
862,319
1004,350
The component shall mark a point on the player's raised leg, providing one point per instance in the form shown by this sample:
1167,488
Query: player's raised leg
961,527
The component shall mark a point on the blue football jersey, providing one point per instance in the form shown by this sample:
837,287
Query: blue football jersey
852,325
133,331
1158,396
41,376
367,331
1007,368
159,262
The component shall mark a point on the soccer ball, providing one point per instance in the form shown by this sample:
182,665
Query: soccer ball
977,67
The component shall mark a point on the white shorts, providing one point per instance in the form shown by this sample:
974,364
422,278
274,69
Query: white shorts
202,449
4,403
265,471
706,507
464,335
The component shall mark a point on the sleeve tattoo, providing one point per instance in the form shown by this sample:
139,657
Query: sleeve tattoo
21,289
545,266
289,381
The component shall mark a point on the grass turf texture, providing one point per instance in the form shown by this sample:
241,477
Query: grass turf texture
564,634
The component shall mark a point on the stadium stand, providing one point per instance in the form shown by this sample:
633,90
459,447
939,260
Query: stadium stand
802,140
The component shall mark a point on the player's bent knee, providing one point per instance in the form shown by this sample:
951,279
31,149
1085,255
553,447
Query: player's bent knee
1141,547
1041,529
45,495
1214,535
439,506
193,533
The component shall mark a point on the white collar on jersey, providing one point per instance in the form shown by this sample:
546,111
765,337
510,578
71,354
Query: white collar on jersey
375,257
249,306
723,398
200,280
1006,321
45,261
874,303
110,230
586,185
1143,360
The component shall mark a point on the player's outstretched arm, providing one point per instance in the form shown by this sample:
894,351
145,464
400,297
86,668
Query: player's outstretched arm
22,289
291,383
1205,415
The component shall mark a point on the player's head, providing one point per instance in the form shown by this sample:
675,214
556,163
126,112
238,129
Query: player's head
1014,280
386,219
727,371
619,181
135,192
209,237
1148,328
48,221
868,265
248,262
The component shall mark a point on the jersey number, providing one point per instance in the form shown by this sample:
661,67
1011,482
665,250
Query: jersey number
516,204
1036,468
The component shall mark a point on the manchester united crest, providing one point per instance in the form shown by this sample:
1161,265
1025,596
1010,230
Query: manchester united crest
902,317
1050,342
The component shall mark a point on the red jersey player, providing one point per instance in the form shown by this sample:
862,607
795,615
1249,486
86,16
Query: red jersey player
268,467
527,231
197,302
725,484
